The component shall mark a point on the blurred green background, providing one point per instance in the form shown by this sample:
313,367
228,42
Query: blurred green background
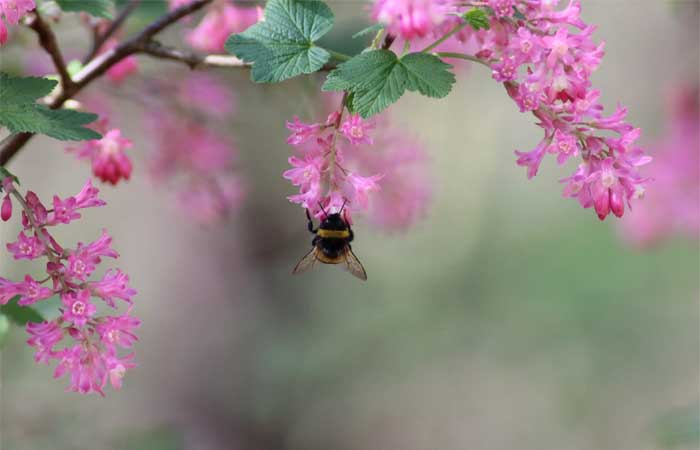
508,318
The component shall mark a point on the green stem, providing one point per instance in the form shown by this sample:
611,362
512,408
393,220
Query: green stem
466,57
452,32
339,56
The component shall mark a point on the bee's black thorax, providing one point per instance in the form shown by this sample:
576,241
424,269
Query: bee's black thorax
333,236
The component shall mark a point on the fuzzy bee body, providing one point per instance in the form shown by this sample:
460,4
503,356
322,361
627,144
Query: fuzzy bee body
331,245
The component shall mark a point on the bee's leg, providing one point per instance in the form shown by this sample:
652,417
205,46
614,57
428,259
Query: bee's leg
352,235
314,241
311,223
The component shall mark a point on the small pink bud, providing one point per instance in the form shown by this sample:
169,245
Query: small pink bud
602,205
617,204
6,210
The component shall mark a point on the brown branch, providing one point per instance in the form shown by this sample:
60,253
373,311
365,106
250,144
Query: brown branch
194,60
100,39
100,65
47,40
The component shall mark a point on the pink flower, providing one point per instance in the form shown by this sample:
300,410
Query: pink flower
87,368
64,211
358,189
355,129
29,291
222,20
118,331
117,368
82,261
87,197
301,132
26,247
114,285
306,172
109,160
77,307
44,336
564,145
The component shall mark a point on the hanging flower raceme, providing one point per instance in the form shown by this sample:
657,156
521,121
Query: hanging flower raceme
92,342
544,55
319,169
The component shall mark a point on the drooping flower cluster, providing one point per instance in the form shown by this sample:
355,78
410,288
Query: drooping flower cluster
673,206
91,342
544,55
221,20
319,169
331,155
12,11
195,160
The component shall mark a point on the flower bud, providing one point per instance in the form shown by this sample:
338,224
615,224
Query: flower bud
6,210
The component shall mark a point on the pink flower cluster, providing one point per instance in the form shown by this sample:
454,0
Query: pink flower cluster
331,155
319,168
12,11
221,20
196,160
92,355
544,55
673,206
107,156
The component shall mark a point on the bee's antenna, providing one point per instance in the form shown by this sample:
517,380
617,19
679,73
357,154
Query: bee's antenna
324,211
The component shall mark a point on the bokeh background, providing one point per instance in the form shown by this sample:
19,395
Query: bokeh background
506,318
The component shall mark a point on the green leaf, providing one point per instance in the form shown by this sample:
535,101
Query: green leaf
477,18
20,113
372,29
96,8
20,314
378,78
282,45
61,124
24,90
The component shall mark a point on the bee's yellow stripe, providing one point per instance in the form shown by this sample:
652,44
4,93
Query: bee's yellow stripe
333,233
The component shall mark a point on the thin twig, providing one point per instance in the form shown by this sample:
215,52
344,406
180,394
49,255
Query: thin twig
47,40
100,39
195,60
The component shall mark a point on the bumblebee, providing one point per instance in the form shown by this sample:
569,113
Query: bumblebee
331,245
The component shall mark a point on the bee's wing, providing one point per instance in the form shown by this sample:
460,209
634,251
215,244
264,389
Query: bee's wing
353,265
307,262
